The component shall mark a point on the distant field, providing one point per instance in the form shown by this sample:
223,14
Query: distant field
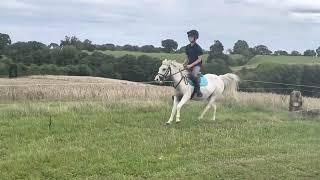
174,56
254,62
284,60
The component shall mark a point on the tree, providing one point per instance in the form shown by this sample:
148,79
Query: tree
295,53
110,47
310,53
4,41
68,55
127,47
262,50
53,45
318,51
87,45
281,53
13,70
147,48
84,70
26,52
41,56
181,49
72,41
241,47
169,45
216,50
216,66
229,51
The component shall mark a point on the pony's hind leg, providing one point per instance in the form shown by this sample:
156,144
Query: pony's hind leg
174,109
205,111
209,105
215,110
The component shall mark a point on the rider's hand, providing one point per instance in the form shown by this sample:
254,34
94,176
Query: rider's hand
189,66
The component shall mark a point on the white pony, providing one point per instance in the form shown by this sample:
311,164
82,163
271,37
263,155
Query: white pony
215,87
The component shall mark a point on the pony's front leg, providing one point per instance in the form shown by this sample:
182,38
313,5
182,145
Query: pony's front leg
184,99
174,109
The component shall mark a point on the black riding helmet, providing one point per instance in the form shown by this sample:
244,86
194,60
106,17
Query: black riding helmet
193,33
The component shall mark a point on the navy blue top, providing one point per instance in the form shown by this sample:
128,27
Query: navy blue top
193,53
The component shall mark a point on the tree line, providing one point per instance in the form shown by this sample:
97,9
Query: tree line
242,47
168,46
69,58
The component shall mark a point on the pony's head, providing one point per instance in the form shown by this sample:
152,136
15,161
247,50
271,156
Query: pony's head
166,68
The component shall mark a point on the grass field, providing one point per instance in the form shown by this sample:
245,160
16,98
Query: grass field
124,137
284,60
254,62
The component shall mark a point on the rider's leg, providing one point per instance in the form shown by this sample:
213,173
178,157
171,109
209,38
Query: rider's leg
196,75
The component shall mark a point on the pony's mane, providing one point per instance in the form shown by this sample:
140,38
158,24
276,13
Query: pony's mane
173,63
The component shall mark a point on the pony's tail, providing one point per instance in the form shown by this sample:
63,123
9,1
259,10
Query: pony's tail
230,84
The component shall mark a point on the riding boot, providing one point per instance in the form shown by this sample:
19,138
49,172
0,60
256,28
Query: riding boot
197,86
194,81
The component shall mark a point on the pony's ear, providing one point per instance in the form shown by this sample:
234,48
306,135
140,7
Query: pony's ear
164,61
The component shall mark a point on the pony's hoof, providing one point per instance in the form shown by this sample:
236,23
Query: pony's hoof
167,124
200,118
178,122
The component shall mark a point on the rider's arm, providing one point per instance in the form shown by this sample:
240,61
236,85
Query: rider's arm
197,61
186,61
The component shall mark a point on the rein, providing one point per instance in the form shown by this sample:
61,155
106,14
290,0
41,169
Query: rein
168,71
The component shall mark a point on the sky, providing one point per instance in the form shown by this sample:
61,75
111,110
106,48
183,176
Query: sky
279,24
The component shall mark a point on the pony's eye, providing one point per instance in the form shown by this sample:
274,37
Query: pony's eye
163,69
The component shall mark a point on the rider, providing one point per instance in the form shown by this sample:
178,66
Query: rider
193,61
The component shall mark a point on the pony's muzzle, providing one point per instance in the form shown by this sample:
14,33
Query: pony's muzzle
158,79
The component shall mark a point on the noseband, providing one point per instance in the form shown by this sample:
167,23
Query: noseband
166,75
169,74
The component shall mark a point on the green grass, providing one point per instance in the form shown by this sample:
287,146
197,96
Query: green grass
100,140
180,57
254,62
284,60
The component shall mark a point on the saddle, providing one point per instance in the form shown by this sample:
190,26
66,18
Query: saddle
203,81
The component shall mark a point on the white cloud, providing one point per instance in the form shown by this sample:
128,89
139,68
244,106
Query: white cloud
275,23
298,10
16,5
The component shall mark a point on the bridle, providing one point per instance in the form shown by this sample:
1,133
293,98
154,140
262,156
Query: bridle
168,74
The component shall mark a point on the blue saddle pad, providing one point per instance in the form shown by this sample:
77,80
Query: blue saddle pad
203,82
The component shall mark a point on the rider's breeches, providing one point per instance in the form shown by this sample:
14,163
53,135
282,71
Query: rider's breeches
195,71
